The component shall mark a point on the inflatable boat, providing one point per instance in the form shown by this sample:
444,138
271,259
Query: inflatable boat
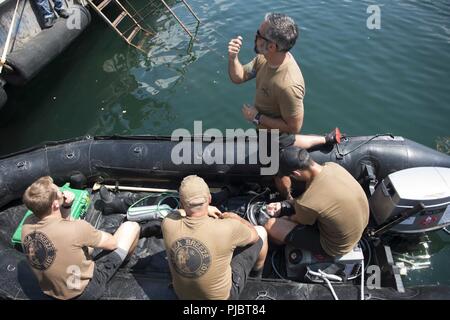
407,184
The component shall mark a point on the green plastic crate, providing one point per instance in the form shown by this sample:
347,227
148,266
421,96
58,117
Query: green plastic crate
79,207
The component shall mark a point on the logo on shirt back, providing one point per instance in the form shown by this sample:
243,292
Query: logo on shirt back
40,250
265,91
190,257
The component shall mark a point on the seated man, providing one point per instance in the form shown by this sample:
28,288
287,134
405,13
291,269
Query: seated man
47,13
58,248
329,217
201,249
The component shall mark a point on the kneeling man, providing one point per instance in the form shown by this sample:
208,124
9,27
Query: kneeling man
329,217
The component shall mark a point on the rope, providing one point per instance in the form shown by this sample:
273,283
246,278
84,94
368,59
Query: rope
361,144
8,39
264,295
167,196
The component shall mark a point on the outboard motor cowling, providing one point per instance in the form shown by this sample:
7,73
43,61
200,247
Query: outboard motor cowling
402,190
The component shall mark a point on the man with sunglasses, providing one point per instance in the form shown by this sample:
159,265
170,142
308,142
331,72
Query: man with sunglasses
280,87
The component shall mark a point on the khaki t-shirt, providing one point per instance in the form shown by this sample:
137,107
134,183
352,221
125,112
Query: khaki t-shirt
199,251
339,205
279,91
57,250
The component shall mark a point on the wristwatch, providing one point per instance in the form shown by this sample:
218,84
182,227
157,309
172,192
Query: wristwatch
256,119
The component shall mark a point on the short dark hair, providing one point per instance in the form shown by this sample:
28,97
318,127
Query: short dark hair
282,30
294,158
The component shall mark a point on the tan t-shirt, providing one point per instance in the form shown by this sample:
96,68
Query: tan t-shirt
199,251
57,250
339,205
279,91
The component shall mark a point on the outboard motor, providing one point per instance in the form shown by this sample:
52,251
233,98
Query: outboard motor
403,190
304,265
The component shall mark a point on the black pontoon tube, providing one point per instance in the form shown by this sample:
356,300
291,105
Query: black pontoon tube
145,160
29,60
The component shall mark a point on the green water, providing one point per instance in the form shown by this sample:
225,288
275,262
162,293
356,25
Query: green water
395,79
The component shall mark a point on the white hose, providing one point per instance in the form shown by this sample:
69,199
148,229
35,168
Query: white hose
362,279
331,288
327,277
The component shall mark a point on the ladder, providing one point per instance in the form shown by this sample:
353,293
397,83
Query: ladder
178,19
130,33
100,6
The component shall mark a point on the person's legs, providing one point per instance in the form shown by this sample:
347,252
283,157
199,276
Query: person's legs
244,260
306,238
127,236
106,265
59,8
259,265
279,228
308,141
285,231
44,8
58,4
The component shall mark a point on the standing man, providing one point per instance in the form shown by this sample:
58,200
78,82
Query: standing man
329,217
280,87
210,258
47,12
58,248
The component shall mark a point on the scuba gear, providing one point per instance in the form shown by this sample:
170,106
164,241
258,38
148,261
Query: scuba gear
110,203
154,206
257,214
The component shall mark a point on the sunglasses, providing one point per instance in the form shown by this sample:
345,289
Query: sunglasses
259,35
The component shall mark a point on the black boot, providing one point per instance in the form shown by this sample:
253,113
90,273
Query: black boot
110,203
151,229
63,13
49,22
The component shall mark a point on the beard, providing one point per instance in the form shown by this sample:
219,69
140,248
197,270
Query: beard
257,51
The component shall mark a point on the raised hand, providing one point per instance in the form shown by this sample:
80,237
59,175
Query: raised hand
234,46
